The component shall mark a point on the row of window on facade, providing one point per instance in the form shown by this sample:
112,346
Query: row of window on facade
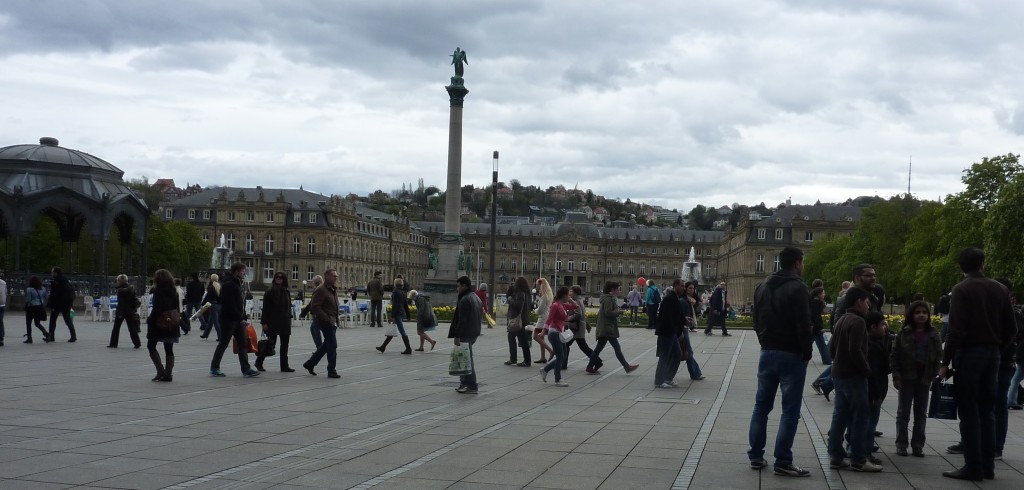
583,247
268,245
250,216
610,268
808,235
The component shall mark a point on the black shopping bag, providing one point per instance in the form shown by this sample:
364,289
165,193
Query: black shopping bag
942,405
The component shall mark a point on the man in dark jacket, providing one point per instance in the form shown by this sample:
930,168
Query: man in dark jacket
850,372
466,328
62,297
717,310
782,318
232,316
193,296
981,324
671,322
375,288
864,277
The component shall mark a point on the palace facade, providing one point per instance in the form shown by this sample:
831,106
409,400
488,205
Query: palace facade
303,233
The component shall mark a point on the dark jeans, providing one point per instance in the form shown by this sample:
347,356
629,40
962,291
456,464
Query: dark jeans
524,342
318,338
691,362
595,358
669,357
777,370
67,321
213,320
1011,391
559,348
912,394
825,380
3,309
231,330
975,380
282,353
819,341
1002,414
582,343
852,410
29,318
652,315
376,306
329,347
716,319
133,330
469,380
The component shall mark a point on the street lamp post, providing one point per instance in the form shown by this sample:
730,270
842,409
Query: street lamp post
494,229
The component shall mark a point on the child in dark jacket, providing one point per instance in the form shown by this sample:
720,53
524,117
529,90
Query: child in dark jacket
878,359
914,361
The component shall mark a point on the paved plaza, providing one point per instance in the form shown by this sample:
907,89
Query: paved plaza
84,416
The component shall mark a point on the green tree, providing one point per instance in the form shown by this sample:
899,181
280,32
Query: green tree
176,246
825,261
1003,230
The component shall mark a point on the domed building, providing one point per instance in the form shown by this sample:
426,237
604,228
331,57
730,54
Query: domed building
80,193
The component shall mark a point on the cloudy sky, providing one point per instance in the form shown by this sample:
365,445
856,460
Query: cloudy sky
671,103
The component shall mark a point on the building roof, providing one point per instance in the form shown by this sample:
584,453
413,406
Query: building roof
49,151
588,230
786,215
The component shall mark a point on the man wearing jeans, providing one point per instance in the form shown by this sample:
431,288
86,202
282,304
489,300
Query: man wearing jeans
981,326
465,328
375,288
324,308
782,318
850,372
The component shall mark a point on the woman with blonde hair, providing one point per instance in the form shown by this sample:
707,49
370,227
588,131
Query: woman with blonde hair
425,319
398,312
212,297
127,312
544,299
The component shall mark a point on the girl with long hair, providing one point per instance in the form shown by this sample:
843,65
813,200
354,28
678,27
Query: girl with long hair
914,360
519,307
35,309
544,300
165,298
276,319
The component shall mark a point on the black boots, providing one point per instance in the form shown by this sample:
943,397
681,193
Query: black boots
160,372
381,347
408,348
168,368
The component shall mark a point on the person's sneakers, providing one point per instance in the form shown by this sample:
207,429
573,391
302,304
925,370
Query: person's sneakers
562,384
333,374
878,433
251,373
838,464
510,363
866,467
1015,407
543,375
828,395
957,448
523,364
632,367
469,391
790,470
816,386
309,368
918,452
998,455
664,385
726,335
259,367
592,371
698,378
709,333
672,383
757,464
965,474
217,373
902,451
461,388
875,461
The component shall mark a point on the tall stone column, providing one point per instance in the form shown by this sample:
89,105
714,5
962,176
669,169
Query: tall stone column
451,259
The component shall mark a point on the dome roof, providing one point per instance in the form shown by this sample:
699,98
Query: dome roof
48,151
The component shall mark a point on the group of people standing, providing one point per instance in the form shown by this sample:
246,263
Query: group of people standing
983,339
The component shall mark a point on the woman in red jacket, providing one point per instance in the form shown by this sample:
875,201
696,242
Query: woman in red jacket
554,326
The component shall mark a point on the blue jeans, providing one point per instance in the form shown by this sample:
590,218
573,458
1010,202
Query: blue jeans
213,319
825,380
819,340
1002,414
943,331
469,380
852,410
691,362
556,362
401,328
329,347
669,356
595,358
975,381
1011,393
777,369
3,309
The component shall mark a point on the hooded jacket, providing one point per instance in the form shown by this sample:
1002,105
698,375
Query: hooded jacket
782,314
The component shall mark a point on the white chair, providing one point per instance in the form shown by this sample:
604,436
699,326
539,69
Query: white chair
112,307
104,309
90,308
345,314
363,313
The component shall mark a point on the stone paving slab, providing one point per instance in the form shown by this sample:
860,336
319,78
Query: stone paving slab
84,416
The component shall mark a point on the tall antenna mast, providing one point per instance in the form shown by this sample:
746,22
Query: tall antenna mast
910,172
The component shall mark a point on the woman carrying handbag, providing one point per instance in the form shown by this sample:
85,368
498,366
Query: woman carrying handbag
35,309
554,327
276,318
163,324
518,317
425,318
